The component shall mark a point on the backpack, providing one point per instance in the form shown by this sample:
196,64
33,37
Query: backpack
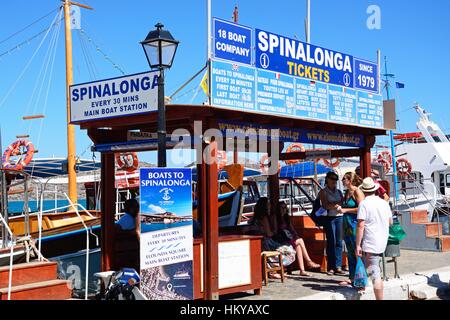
318,220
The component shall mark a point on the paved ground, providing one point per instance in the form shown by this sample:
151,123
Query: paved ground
296,287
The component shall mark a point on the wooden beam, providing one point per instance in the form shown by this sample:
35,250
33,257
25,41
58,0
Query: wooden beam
108,207
72,3
37,116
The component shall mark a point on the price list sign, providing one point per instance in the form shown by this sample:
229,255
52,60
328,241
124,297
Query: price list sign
275,93
233,86
311,99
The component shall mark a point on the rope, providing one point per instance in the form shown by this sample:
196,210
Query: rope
105,56
13,87
55,44
18,46
28,26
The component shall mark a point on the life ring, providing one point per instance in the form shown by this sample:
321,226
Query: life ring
221,159
14,149
332,163
404,167
127,161
385,159
264,164
294,147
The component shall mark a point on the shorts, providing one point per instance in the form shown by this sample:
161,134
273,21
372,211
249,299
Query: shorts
372,263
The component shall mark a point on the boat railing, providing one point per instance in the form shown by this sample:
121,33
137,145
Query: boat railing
419,186
11,254
88,233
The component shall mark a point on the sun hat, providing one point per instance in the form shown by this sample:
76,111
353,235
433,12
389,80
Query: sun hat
369,185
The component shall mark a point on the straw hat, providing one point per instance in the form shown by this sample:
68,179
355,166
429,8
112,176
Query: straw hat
369,185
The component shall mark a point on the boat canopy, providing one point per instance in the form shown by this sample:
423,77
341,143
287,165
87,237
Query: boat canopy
302,169
52,167
248,172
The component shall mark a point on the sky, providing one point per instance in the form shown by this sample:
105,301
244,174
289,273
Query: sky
414,37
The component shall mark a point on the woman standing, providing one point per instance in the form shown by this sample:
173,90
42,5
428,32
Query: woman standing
353,196
331,199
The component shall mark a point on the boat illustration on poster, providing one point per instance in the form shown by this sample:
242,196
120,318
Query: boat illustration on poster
166,233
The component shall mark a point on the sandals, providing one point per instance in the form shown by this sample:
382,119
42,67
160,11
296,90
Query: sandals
346,283
312,265
274,276
304,274
330,272
339,272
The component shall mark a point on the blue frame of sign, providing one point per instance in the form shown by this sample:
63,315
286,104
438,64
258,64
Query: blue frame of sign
232,41
292,78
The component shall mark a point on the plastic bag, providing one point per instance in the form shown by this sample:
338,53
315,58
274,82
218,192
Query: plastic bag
287,256
360,280
396,234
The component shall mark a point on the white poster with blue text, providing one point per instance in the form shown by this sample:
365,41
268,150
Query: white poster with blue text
116,97
166,252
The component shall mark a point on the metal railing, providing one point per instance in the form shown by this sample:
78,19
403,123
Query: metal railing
11,257
88,232
434,207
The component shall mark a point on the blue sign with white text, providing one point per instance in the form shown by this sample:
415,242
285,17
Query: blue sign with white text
289,56
366,75
166,251
232,41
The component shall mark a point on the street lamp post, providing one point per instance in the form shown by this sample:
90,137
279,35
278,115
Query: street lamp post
160,48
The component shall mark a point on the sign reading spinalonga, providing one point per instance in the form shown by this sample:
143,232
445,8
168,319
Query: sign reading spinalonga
128,95
292,78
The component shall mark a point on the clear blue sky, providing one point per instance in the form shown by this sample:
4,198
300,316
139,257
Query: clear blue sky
414,35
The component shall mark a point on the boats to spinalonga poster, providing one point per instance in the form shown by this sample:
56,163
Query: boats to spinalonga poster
166,233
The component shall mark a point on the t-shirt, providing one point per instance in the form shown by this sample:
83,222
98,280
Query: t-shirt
333,197
376,214
127,222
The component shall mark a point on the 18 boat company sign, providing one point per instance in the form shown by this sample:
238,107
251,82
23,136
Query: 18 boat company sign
292,78
128,95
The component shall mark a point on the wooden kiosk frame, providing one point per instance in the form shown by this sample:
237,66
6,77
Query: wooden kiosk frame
111,135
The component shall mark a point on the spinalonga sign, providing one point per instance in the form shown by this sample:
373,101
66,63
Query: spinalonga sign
287,77
110,98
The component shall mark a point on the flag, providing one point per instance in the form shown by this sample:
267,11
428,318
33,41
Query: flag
204,84
75,18
399,85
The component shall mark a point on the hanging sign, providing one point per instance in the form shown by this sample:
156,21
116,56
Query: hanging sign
232,41
123,96
166,250
292,78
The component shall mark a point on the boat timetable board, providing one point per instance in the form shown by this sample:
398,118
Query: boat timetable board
295,79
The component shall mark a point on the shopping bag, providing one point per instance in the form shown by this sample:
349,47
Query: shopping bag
360,280
396,233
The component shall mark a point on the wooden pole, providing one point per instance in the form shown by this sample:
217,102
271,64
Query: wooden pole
210,224
108,210
71,149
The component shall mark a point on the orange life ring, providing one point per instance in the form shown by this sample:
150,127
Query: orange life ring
14,149
221,159
404,167
294,147
127,161
332,163
265,166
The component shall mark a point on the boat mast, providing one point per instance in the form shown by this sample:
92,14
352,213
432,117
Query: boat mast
391,132
71,149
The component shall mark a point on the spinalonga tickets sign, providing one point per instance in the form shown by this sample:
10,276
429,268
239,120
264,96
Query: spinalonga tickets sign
287,77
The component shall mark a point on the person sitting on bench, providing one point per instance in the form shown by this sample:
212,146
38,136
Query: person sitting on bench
128,221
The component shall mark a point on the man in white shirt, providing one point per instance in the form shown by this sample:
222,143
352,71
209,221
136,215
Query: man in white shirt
372,233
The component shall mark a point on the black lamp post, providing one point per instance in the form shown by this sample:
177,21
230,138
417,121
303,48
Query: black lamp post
160,48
